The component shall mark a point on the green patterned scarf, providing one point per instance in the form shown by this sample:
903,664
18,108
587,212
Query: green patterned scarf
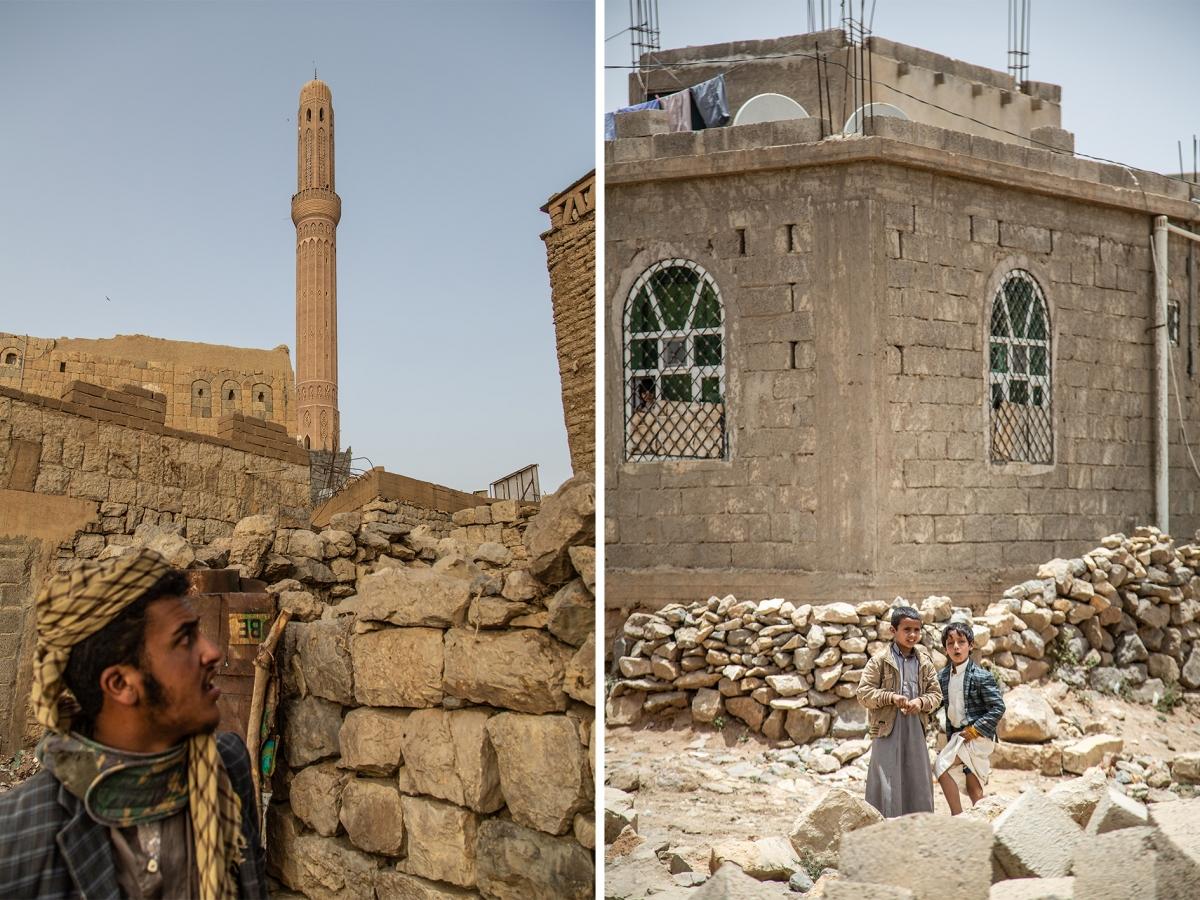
118,788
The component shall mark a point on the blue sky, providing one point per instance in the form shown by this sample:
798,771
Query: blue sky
149,155
1120,64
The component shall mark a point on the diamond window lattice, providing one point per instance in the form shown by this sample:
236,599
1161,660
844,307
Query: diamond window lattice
674,333
1019,372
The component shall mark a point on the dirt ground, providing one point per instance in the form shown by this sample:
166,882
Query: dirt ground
15,769
695,786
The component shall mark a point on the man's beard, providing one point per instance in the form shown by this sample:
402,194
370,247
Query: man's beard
157,701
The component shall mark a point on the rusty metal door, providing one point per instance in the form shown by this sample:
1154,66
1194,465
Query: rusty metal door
237,620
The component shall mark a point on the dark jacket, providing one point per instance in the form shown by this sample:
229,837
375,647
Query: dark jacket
982,699
51,848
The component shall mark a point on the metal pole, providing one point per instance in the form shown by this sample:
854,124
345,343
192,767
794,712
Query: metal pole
1162,495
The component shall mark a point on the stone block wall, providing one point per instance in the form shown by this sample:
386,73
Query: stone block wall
856,277
195,379
571,259
1122,618
438,701
137,470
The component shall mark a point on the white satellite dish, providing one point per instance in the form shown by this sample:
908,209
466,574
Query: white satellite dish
769,108
854,123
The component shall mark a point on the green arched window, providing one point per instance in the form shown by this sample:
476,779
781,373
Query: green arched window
1019,360
674,343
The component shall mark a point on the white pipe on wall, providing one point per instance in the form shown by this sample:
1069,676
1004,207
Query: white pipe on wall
1162,487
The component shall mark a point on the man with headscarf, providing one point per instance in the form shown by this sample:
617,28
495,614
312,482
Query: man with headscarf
138,797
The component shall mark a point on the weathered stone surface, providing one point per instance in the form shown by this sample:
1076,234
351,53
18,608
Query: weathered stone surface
1044,758
1079,796
942,856
174,548
441,841
309,571
310,730
1034,889
496,612
372,815
408,596
393,885
316,794
567,518
1189,675
1114,811
250,543
1179,847
324,652
840,889
1028,717
544,772
521,670
584,829
299,542
625,709
519,585
821,825
584,560
619,813
572,613
303,606
706,705
1118,865
805,725
748,710
325,868
516,863
371,740
398,667
766,859
729,883
849,720
1185,768
447,755
493,554
842,613
1084,754
1035,838
580,680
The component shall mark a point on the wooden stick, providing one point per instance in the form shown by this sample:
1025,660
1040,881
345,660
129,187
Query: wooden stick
263,663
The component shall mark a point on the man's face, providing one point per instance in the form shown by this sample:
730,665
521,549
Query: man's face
958,648
908,634
178,667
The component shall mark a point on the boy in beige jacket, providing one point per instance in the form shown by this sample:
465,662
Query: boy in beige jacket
899,687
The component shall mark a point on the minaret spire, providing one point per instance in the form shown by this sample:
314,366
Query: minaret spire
316,210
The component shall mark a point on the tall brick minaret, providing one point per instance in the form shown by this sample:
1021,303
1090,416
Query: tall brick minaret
316,210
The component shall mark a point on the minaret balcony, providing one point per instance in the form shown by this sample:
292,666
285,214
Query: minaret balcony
318,203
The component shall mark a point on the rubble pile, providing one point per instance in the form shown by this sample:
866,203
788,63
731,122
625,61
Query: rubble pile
1121,619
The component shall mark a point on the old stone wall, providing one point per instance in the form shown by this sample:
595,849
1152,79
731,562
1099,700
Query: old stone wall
438,700
856,277
141,471
571,259
1122,618
196,379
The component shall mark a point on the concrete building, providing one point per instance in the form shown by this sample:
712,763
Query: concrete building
316,210
913,355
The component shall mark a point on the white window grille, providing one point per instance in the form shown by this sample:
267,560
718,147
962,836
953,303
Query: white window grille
674,340
1019,362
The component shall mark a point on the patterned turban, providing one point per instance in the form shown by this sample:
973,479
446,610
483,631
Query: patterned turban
73,607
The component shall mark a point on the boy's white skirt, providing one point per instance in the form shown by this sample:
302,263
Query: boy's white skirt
975,755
